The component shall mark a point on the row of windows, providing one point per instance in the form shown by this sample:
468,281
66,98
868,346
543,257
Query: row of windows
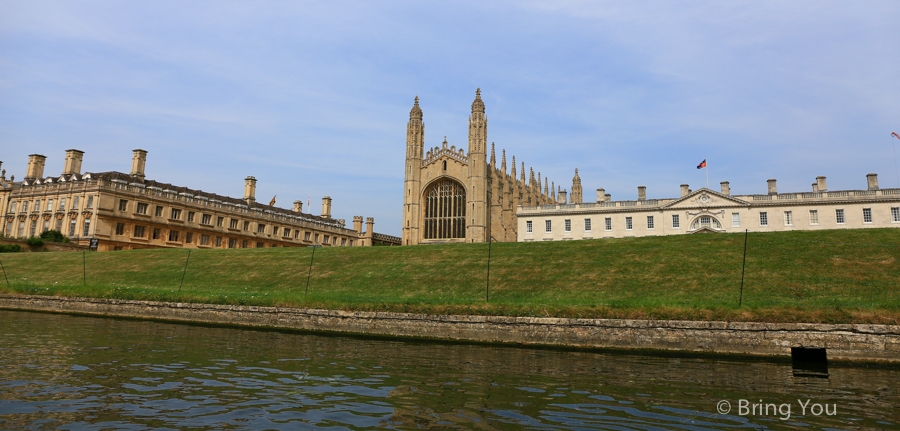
36,204
711,222
31,229
173,235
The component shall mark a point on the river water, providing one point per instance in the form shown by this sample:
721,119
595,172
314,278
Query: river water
72,372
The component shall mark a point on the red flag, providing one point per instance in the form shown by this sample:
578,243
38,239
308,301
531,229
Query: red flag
895,135
273,201
702,164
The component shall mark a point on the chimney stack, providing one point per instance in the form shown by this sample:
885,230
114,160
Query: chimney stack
298,206
685,190
815,187
73,162
601,195
326,207
773,190
726,189
872,180
357,224
562,197
821,181
607,197
250,190
370,230
642,193
35,166
138,162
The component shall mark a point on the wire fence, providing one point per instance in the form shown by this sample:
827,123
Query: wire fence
756,269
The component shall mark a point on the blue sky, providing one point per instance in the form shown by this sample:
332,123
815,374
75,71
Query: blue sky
312,98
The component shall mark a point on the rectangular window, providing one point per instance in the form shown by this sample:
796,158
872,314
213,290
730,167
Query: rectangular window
735,220
159,211
74,203
649,222
867,215
22,229
275,232
59,224
895,214
260,228
49,204
259,245
244,244
90,202
156,233
326,239
343,242
62,203
317,238
141,208
568,225
37,206
220,221
71,227
548,226
120,228
189,237
34,227
246,227
206,219
232,243
608,224
46,225
204,239
123,205
306,236
333,241
173,235
296,234
528,226
676,222
628,223
175,214
9,227
234,223
25,207
87,227
839,216
788,218
138,231
287,233
218,241
763,219
813,216
190,216
12,206
587,225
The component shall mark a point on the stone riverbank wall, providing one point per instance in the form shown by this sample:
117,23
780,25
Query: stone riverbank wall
854,342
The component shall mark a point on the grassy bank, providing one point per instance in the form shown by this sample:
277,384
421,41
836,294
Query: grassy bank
826,276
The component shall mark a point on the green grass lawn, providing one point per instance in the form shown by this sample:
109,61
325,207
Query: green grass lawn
825,276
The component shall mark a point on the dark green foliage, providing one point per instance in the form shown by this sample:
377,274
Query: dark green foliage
35,242
54,236
10,248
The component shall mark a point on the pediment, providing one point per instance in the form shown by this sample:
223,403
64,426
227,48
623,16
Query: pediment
706,198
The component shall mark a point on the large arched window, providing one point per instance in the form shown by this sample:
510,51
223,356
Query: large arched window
445,210
706,222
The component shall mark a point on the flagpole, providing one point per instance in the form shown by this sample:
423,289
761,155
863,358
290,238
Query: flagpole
706,168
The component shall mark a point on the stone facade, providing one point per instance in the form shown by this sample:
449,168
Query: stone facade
707,210
459,195
128,211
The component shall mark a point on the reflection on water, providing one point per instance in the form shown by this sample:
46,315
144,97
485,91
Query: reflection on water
67,372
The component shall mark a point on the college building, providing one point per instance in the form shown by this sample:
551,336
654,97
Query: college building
127,211
454,194
708,210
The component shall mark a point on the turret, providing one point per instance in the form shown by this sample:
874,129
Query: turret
415,148
576,197
477,223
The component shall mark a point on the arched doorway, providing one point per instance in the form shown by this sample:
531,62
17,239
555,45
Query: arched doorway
708,222
445,210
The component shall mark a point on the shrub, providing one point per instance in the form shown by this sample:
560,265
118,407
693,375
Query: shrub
11,248
54,236
34,242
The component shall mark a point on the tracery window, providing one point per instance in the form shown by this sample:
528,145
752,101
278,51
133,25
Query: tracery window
706,222
445,210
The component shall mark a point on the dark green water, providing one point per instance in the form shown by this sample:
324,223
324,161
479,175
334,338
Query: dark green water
69,372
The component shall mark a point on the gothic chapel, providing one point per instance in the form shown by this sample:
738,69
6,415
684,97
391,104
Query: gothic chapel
454,195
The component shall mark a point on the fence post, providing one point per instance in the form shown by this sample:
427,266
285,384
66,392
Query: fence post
311,258
185,270
743,267
4,274
487,293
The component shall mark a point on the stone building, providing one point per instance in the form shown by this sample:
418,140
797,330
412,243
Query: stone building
455,194
128,211
708,210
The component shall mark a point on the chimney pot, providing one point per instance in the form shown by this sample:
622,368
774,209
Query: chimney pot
601,195
138,163
726,188
250,190
562,197
326,207
773,190
872,180
685,190
642,193
815,187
